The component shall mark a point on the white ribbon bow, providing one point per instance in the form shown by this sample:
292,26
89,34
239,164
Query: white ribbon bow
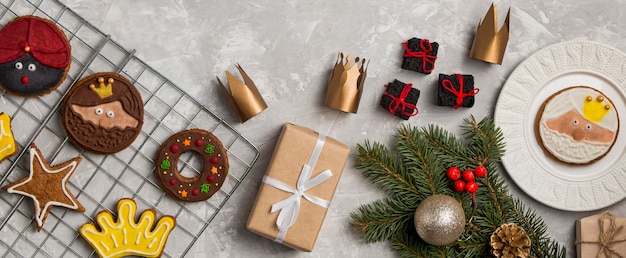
290,206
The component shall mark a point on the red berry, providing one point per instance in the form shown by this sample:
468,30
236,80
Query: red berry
210,178
173,181
198,142
468,175
454,173
195,192
459,185
471,187
480,171
213,160
174,148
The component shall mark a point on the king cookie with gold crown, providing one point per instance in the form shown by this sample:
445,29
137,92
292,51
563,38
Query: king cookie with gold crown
102,113
577,125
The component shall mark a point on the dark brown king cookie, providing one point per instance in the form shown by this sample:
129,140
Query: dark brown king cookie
214,161
102,113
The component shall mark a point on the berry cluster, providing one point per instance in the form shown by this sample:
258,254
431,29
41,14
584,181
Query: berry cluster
467,183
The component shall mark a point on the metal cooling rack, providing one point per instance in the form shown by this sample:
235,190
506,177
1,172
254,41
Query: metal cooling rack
101,180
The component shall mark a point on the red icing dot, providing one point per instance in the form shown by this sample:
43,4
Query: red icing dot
24,79
195,192
198,143
174,148
211,179
172,181
213,160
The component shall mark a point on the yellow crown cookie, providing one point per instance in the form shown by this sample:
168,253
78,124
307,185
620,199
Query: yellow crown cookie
126,237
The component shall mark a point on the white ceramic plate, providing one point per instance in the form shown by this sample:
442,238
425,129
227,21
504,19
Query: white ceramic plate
566,187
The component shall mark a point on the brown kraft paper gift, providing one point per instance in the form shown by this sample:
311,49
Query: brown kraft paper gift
601,235
296,149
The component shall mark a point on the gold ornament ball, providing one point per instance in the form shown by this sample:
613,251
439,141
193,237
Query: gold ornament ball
439,220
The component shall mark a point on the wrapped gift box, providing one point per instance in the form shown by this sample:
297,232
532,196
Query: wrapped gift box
400,99
279,213
420,55
456,90
589,231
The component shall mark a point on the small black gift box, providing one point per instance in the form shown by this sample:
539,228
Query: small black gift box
456,90
400,99
420,55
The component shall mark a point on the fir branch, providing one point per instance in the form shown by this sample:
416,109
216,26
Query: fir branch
541,246
385,169
422,163
416,170
383,219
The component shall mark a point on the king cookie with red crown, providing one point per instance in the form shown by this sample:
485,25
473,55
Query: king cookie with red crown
35,56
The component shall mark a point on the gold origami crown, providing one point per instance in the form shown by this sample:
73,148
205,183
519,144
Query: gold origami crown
103,90
244,96
489,43
594,110
124,237
346,84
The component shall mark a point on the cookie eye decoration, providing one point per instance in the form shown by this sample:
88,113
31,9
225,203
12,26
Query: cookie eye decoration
19,65
98,111
32,67
575,122
110,114
588,128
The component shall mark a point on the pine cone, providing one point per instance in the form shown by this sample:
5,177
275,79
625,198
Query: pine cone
510,240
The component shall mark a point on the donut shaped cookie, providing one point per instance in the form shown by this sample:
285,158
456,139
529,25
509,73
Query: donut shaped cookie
102,113
214,160
35,56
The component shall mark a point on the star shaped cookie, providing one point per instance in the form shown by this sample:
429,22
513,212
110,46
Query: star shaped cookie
46,185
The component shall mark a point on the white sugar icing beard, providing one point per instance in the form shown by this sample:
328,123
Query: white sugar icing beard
563,147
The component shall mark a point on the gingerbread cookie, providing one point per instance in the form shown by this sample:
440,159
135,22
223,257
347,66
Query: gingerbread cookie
102,113
7,141
209,180
35,56
46,185
124,236
577,125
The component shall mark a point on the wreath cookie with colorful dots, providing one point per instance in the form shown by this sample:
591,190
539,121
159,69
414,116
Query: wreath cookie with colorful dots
214,160
35,56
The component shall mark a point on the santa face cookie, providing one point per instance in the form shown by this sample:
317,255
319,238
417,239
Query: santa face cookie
577,125
34,56
102,113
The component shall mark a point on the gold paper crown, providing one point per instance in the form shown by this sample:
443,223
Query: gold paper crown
489,43
103,90
124,237
244,96
346,84
594,110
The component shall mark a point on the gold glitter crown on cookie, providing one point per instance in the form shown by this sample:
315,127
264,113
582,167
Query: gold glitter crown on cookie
594,110
346,84
103,90
126,237
489,43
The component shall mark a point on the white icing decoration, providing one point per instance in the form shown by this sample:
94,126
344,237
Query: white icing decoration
98,111
32,67
8,146
114,242
3,133
124,239
566,149
106,248
39,213
19,65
